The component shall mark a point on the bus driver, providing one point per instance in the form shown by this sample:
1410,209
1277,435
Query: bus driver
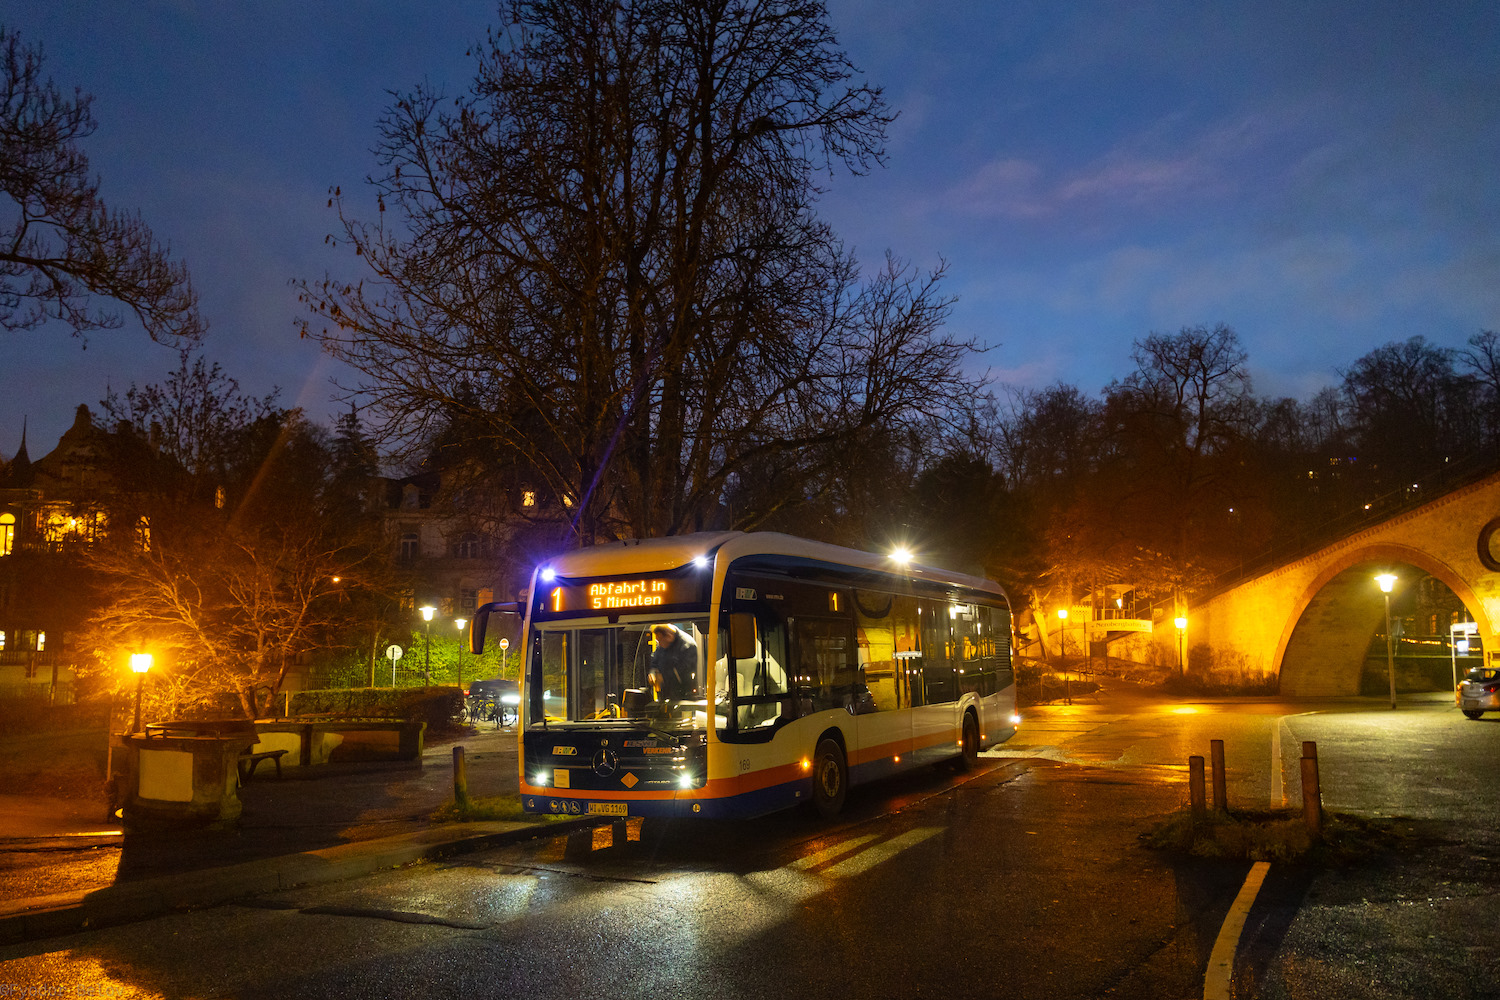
674,664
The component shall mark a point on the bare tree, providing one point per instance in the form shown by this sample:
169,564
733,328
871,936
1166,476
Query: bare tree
60,246
1410,410
1176,425
607,263
224,556
1481,358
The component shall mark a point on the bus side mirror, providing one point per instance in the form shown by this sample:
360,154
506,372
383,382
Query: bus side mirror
742,635
482,620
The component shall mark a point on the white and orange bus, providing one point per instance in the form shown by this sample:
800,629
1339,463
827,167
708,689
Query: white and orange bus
729,674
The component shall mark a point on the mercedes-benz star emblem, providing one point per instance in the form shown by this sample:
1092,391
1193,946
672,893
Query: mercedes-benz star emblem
605,763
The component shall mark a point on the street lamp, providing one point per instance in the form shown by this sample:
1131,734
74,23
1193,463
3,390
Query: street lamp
427,612
140,663
460,622
1062,652
1181,622
1387,583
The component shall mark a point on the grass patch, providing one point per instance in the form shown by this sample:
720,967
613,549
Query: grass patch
68,765
1279,836
492,808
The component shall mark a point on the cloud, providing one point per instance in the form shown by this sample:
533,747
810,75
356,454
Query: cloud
1165,164
1006,188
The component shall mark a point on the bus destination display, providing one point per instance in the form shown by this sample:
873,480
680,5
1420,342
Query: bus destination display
620,595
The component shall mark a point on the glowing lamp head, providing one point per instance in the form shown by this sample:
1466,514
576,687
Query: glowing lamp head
700,562
901,556
1387,582
548,574
427,612
1180,621
140,662
459,623
1062,614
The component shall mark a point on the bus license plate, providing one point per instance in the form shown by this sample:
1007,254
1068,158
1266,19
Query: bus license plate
607,809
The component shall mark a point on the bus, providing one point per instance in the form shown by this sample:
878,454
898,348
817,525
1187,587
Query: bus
731,674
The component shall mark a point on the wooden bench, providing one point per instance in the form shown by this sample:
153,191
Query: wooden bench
248,762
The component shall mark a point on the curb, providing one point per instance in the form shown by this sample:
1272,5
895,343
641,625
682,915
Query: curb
128,902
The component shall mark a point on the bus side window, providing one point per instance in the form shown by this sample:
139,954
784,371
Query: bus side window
827,670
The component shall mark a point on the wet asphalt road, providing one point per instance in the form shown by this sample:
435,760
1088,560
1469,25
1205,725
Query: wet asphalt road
1026,880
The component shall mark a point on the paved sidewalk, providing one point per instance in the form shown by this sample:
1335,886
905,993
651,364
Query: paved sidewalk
63,869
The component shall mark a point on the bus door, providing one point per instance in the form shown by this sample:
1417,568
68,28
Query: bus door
934,721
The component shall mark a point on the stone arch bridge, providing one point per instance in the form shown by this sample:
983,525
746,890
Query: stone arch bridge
1310,621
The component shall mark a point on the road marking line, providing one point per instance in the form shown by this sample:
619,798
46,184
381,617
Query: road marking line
870,857
1221,960
827,853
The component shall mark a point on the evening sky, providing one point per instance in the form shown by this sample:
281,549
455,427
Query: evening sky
1321,176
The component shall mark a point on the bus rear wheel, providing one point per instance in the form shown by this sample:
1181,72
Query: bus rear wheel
968,755
830,776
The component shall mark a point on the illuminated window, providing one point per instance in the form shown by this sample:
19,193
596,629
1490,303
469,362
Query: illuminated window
62,528
2,641
219,498
143,534
528,498
7,534
567,500
41,641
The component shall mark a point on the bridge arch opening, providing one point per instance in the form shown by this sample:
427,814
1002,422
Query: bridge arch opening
1326,648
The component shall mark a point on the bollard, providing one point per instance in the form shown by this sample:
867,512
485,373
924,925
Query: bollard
460,778
1312,797
1195,788
1216,758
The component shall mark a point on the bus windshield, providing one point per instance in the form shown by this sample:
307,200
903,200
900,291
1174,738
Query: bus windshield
650,671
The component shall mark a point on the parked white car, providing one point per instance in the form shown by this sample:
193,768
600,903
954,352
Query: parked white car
1479,692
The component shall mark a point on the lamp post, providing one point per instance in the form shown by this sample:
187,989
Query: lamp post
1062,652
1181,622
1387,583
427,612
140,663
460,622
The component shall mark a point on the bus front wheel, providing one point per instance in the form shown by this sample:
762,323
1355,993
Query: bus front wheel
830,778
